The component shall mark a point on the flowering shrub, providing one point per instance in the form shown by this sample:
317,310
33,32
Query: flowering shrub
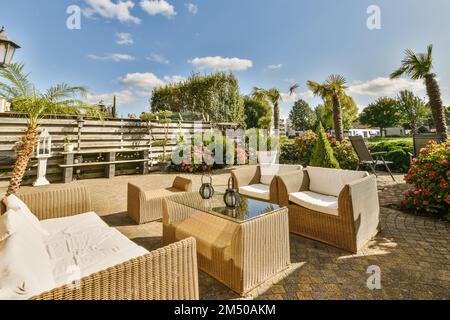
300,151
202,158
430,175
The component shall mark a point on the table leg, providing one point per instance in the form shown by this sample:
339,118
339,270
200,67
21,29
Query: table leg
68,171
110,170
144,165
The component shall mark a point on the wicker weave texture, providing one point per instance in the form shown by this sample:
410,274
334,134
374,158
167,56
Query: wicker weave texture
356,223
58,203
169,273
147,206
256,250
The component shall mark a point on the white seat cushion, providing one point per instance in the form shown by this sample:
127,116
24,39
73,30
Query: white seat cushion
25,266
84,244
315,201
331,181
258,191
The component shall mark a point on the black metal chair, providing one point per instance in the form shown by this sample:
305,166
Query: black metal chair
366,157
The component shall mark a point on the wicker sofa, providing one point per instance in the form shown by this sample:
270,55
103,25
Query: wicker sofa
146,206
337,207
253,184
166,273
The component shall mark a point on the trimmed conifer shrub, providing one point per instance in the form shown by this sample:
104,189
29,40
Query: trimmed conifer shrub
322,153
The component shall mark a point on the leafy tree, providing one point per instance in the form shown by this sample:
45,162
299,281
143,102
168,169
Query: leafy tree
34,105
419,66
257,113
215,96
349,113
274,97
302,116
383,113
332,90
322,153
413,110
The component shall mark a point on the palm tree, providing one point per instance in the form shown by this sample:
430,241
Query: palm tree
419,66
274,96
333,89
34,105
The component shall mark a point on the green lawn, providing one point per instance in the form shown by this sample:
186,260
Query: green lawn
407,140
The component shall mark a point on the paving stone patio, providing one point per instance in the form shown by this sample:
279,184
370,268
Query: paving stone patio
412,252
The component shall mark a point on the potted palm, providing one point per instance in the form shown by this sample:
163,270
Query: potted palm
34,105
68,145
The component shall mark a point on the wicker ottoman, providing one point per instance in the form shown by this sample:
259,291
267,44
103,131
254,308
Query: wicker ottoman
146,206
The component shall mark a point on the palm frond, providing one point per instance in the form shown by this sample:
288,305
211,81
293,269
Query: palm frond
17,78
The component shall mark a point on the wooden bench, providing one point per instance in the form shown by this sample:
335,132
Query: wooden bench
110,163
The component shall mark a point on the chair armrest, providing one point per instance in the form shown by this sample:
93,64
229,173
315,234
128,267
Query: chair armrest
293,181
175,278
359,201
246,176
58,203
378,153
182,184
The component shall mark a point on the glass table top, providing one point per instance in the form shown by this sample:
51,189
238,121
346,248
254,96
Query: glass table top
247,209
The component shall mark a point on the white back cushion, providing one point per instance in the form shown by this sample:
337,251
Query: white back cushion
269,166
25,267
6,227
14,203
331,181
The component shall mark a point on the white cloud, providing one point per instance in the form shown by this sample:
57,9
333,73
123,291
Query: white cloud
119,10
222,64
174,79
123,97
154,57
154,7
123,38
274,66
191,8
145,80
384,86
116,57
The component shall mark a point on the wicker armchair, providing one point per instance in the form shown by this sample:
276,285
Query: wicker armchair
355,219
166,273
248,180
146,206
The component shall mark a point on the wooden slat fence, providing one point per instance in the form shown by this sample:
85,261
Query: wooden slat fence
95,134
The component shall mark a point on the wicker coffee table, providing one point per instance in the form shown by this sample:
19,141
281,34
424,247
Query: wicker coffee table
241,248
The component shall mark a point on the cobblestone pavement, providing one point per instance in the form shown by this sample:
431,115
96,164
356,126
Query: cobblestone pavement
412,252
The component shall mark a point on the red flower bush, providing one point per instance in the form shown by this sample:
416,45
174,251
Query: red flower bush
430,174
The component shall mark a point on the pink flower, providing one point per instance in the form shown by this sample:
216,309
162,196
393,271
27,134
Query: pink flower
445,161
424,151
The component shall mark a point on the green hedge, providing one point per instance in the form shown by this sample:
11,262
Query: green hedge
397,152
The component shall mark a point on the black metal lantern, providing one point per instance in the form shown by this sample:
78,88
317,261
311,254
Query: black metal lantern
207,189
231,196
7,49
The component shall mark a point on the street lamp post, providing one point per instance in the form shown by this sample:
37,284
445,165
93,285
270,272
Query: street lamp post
7,48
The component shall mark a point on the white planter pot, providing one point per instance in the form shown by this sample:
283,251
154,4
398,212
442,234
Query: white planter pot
69,147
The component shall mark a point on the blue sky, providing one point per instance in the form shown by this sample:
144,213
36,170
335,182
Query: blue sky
128,47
